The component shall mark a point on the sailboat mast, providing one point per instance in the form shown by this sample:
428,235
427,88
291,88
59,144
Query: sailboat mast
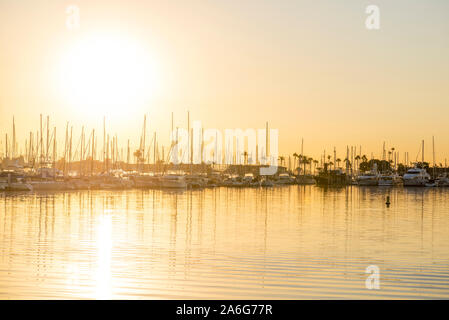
92,155
422,156
13,139
266,142
48,140
433,154
104,143
54,152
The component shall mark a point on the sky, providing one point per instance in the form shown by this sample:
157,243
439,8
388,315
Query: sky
310,68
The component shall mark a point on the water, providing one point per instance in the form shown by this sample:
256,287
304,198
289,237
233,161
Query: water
279,243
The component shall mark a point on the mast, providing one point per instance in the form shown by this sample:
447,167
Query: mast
266,142
127,157
82,151
6,145
48,139
154,150
13,151
422,156
107,154
41,146
104,143
92,156
54,153
188,138
70,149
30,152
143,139
433,152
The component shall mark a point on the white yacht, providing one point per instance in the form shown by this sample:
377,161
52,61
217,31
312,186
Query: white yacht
305,179
284,178
249,180
266,182
442,181
196,181
416,177
173,181
11,181
44,185
389,180
368,179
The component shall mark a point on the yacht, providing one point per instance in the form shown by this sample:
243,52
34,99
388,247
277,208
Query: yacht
416,177
284,178
305,179
145,181
248,179
266,182
368,179
196,181
173,181
389,180
12,181
442,181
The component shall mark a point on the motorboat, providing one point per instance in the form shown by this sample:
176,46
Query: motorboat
368,179
12,181
416,177
388,180
248,179
195,181
265,182
173,181
305,179
442,181
284,179
51,185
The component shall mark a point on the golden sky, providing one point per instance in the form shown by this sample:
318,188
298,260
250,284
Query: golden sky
310,68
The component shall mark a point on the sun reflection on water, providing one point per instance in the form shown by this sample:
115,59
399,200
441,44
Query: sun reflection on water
104,258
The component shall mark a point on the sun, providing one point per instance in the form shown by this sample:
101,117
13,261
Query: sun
107,74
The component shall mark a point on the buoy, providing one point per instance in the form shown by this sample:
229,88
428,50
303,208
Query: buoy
388,201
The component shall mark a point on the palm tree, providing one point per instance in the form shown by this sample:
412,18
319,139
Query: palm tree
364,158
338,162
281,159
357,159
315,162
295,155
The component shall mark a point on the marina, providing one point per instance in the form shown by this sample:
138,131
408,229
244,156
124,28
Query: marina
42,168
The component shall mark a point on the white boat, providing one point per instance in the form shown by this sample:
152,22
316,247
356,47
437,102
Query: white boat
305,179
368,179
442,181
144,181
416,177
11,181
173,181
196,181
51,185
248,178
285,178
266,182
389,180
18,186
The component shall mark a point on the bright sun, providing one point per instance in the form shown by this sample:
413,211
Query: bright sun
107,74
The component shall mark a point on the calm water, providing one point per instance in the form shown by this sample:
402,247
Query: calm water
280,243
